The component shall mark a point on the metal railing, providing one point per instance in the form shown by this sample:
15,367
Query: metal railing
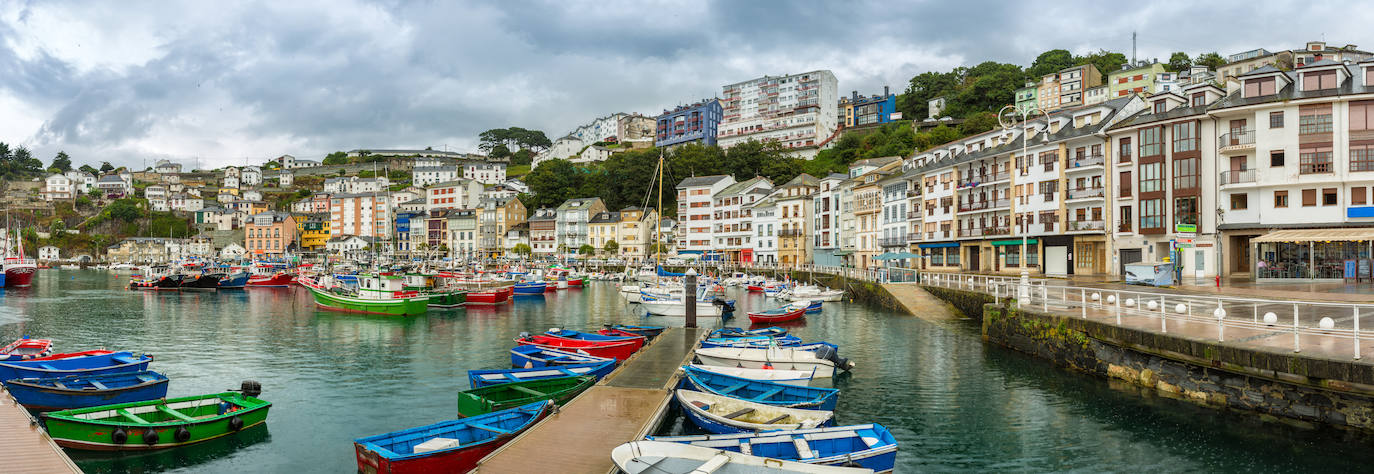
1085,161
1087,225
1245,136
913,237
1237,176
1087,193
892,242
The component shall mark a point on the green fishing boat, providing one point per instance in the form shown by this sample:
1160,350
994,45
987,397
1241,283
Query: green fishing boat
375,294
427,284
509,395
447,299
158,424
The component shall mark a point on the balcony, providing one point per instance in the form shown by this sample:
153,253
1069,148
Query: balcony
1088,161
1239,141
1087,193
1075,226
913,237
1237,177
984,231
790,233
892,242
983,205
913,192
913,214
984,178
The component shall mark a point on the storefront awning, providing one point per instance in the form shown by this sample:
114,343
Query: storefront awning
896,256
844,252
1014,242
1317,235
940,245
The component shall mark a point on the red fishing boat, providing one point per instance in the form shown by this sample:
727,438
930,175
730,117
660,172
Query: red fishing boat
490,295
754,288
19,271
26,348
269,275
619,350
777,315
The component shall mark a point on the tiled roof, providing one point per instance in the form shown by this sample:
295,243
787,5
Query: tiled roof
701,180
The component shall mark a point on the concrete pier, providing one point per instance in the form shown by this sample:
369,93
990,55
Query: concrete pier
625,406
24,447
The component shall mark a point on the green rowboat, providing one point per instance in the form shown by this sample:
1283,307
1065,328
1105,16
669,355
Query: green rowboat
509,395
155,424
393,306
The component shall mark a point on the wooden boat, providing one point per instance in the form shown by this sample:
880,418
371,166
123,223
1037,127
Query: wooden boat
535,356
80,391
800,378
490,296
754,288
69,355
596,337
777,315
724,415
757,391
492,398
376,294
530,288
447,298
869,446
483,378
26,348
618,350
269,275
449,446
661,457
679,308
18,270
739,332
158,424
810,306
87,365
756,342
822,359
646,331
234,281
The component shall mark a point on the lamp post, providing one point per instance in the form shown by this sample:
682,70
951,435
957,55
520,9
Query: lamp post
1004,117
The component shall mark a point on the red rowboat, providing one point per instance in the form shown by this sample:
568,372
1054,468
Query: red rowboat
777,315
26,349
69,355
575,283
617,333
754,288
491,296
619,350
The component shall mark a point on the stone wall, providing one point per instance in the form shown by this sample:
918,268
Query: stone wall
968,303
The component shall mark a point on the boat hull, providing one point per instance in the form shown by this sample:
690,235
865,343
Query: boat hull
530,288
202,283
84,365
42,395
829,446
620,350
99,435
451,299
461,459
280,280
234,281
709,415
490,297
19,276
677,308
480,401
769,317
751,358
394,307
767,393
486,378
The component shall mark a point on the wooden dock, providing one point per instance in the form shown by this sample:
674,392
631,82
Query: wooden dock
625,406
24,447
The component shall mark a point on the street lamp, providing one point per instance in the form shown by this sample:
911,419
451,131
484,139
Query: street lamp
1004,117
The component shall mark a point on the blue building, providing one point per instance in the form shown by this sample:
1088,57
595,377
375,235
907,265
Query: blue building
857,110
689,123
403,229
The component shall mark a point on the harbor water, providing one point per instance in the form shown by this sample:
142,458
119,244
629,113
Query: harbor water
953,402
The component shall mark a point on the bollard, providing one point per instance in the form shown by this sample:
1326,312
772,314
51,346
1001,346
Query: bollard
1356,310
1118,308
1163,315
1083,298
1296,347
689,297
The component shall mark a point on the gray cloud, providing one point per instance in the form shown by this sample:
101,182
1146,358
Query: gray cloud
229,82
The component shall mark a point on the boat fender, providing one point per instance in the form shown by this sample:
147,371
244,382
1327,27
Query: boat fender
150,436
182,435
119,436
235,424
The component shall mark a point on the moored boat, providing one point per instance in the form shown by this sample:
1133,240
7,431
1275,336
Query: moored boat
203,282
491,398
800,378
869,446
483,378
530,288
84,365
661,457
824,361
233,281
596,337
375,294
724,415
619,350
26,348
81,391
158,424
535,356
777,315
269,275
449,446
757,391
646,331
18,270
738,332
490,296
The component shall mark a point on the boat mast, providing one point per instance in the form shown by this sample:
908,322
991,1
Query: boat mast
658,224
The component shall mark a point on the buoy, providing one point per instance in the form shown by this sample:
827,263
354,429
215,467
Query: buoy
1111,299
1153,305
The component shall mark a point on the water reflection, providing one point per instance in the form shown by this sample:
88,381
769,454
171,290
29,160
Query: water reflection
183,458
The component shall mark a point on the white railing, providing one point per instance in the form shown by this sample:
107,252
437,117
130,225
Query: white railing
1278,318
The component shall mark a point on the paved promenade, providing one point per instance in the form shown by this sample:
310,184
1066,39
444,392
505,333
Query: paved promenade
24,447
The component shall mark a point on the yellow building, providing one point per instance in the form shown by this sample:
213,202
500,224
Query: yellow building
794,219
1136,80
636,231
313,230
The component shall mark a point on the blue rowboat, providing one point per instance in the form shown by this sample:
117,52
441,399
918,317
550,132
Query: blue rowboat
813,306
449,446
718,414
587,336
482,378
757,391
530,288
751,341
738,332
646,331
112,363
529,356
233,281
871,446
81,391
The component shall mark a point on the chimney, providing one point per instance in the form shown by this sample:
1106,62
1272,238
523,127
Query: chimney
854,96
885,92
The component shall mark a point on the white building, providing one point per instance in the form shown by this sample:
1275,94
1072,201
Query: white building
155,191
457,194
285,178
694,210
230,181
517,185
48,253
115,185
232,251
485,172
57,186
185,202
82,182
251,176
352,246
620,126
795,110
427,175
732,218
826,226
166,167
765,224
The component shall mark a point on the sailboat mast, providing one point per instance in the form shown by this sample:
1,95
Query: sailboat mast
658,226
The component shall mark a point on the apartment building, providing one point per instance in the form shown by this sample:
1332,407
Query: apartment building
619,127
694,123
1313,51
543,225
765,212
868,205
893,218
1028,97
694,211
573,218
794,219
457,194
498,216
463,239
427,175
602,228
794,110
825,225
732,225
636,233
1074,81
269,234
367,215
1136,78
859,110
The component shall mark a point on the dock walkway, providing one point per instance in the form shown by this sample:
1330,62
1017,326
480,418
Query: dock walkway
24,447
625,406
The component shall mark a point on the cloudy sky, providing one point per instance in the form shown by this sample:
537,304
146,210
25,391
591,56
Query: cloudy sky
229,82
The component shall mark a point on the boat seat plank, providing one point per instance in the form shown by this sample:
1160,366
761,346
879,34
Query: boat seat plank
98,385
131,417
59,385
175,414
732,389
146,378
741,412
803,449
492,429
784,416
770,393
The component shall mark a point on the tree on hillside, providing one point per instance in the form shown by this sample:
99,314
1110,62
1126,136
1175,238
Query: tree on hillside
514,138
553,182
500,151
1212,60
62,162
1049,62
611,247
978,123
1179,61
922,88
89,169
987,87
1105,61
336,158
126,210
106,167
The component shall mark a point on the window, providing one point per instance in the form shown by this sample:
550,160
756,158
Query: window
1151,214
1280,199
1185,210
1259,87
1125,185
1049,158
1151,142
1125,154
1314,160
1275,119
1150,179
1361,157
1314,119
1309,197
1357,196
1329,196
1125,219
1199,99
1240,201
1185,137
1160,107
1186,173
1276,158
1320,80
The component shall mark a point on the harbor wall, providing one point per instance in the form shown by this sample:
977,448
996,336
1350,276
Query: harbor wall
856,291
1277,385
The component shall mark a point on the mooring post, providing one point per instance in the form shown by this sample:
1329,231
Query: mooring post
689,296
